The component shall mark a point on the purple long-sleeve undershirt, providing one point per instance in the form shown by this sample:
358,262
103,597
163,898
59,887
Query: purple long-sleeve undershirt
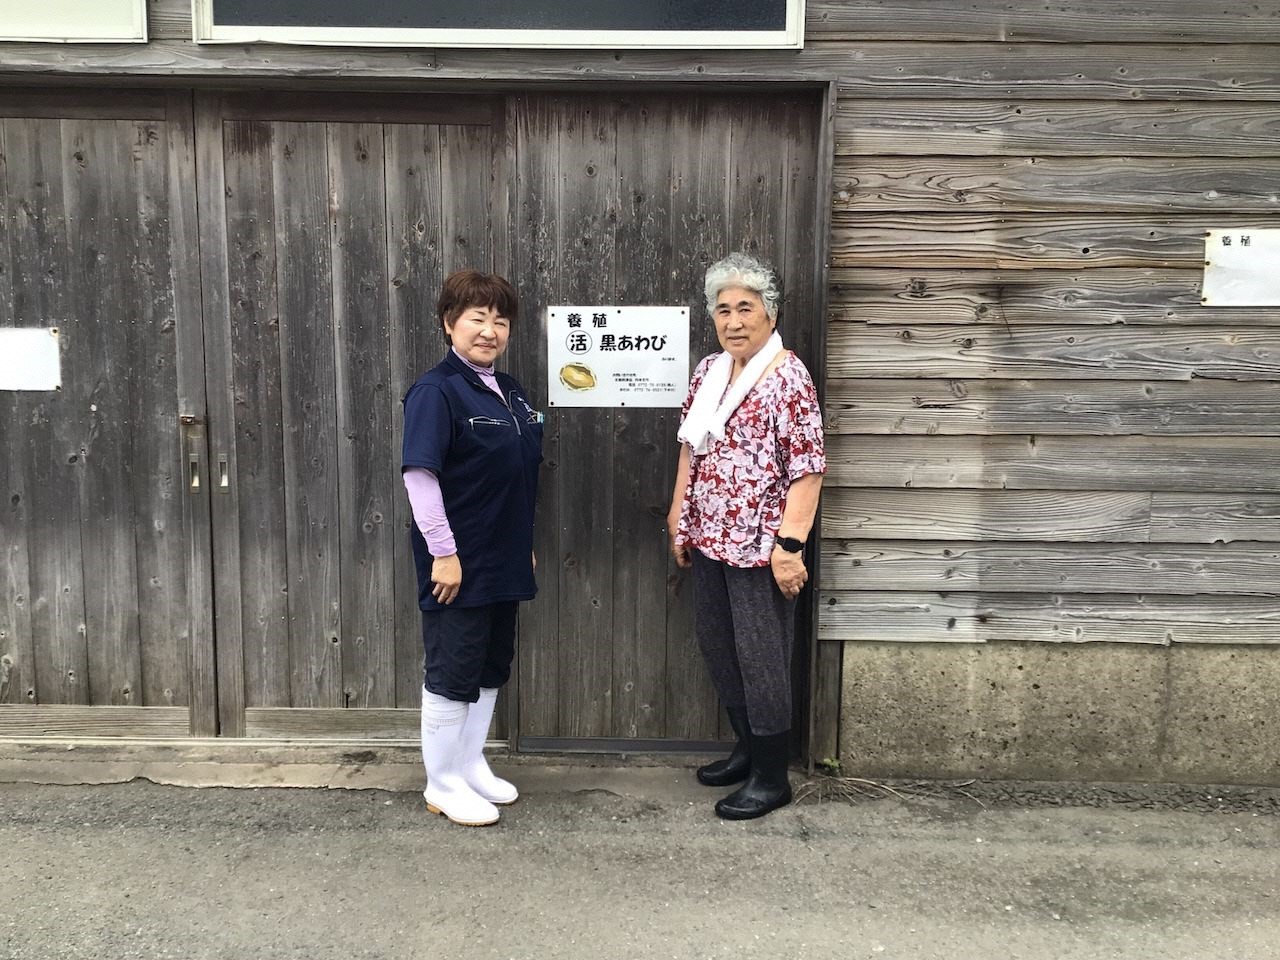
425,499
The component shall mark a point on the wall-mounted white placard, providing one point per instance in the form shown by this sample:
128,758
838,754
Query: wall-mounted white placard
1241,268
617,356
74,21
29,359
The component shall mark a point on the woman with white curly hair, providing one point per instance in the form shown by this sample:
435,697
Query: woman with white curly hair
746,493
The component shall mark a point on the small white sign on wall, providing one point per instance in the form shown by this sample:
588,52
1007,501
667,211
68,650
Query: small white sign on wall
74,21
1241,268
29,359
617,356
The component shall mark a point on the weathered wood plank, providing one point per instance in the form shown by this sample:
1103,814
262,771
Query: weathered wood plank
168,19
184,262
1016,297
215,297
1104,21
82,103
160,539
824,739
301,723
587,204
699,231
1120,72
1054,352
295,216
1203,518
537,220
1024,240
1072,128
256,460
17,651
415,273
1119,184
1208,464
1048,618
92,721
365,459
1054,407
359,107
890,565
647,134
101,251
986,515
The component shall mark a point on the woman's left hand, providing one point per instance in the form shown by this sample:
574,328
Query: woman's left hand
789,571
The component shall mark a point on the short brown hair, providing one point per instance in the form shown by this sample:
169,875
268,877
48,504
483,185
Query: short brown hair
464,289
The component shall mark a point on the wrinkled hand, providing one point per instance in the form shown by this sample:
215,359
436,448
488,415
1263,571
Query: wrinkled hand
789,572
446,574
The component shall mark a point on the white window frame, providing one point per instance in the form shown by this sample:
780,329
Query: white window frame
791,37
37,21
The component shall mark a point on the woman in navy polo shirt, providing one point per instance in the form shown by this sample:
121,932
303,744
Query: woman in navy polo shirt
472,445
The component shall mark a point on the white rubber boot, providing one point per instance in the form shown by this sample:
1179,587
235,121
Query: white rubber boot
447,791
475,768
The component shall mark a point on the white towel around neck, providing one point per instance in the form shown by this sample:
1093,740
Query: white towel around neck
708,413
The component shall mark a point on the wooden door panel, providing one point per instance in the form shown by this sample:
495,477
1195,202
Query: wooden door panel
102,606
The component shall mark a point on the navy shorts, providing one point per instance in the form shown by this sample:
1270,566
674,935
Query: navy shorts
466,648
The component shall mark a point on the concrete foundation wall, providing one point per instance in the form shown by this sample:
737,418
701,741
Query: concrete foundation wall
1192,714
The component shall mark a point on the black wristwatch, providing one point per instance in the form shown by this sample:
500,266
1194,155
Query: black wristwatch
789,544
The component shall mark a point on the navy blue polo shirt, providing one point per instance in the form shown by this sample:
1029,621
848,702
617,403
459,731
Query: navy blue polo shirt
485,453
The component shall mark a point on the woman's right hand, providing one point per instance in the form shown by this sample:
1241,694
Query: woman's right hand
446,575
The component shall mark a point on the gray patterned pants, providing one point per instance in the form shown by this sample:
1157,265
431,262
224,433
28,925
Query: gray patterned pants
746,629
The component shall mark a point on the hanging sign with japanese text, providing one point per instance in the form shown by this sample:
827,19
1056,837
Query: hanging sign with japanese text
617,356
1241,268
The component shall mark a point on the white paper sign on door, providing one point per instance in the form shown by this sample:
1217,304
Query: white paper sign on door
29,359
1241,268
617,356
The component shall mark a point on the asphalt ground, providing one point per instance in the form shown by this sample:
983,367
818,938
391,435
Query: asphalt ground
631,862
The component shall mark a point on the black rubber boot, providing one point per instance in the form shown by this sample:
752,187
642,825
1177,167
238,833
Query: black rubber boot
767,788
735,767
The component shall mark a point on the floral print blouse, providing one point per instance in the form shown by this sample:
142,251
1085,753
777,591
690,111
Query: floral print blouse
737,490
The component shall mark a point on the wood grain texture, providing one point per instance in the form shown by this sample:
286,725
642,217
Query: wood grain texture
1052,352
1115,184
1068,128
365,460
1016,297
92,721
1048,618
880,566
1186,464
256,461
588,203
1205,518
295,723
987,515
871,70
37,213
1103,21
1024,241
296,214
1054,407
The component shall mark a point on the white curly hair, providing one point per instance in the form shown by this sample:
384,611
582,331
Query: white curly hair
740,269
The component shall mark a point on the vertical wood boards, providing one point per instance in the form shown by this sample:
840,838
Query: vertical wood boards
338,232
364,412
38,237
415,271
627,200
254,449
100,576
535,219
588,208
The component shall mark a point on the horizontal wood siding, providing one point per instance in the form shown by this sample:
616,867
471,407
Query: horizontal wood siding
1037,431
